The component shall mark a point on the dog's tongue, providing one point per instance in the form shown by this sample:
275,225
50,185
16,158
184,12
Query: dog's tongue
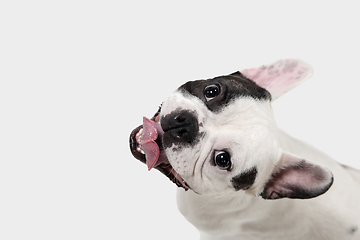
148,144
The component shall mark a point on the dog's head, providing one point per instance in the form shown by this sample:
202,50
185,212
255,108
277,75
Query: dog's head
219,135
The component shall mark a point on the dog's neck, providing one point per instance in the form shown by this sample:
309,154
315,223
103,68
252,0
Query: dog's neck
248,214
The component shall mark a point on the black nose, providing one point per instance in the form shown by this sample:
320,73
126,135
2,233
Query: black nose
181,126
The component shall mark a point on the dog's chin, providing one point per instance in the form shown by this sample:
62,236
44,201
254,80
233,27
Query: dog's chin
162,164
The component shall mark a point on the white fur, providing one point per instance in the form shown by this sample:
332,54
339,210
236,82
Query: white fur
243,128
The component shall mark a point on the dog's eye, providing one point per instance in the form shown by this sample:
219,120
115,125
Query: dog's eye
222,160
211,91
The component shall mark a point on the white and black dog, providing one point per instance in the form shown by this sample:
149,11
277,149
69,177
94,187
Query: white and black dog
218,139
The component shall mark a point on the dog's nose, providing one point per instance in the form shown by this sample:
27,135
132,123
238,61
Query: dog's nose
181,126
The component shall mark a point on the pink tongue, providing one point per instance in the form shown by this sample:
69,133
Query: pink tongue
148,144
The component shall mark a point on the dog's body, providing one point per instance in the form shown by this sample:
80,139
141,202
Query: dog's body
218,137
332,216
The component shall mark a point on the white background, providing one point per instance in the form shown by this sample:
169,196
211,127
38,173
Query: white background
77,76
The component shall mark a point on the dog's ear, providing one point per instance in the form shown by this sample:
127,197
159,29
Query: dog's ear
296,178
281,76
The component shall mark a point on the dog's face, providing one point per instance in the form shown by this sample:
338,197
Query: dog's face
214,133
219,136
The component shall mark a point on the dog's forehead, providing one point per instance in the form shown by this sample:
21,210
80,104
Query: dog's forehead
231,87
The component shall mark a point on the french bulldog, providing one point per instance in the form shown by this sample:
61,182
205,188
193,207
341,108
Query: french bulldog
239,175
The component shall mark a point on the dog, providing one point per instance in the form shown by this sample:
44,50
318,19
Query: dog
239,175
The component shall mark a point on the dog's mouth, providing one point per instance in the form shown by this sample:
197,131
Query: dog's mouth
146,146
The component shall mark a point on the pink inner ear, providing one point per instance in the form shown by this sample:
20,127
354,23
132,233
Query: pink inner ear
302,176
297,179
281,76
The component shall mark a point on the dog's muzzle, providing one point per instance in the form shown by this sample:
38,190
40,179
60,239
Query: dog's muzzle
147,142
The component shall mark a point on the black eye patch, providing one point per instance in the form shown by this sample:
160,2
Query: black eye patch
244,180
229,87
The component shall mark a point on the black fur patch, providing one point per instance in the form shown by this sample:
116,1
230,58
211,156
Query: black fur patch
244,180
231,87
